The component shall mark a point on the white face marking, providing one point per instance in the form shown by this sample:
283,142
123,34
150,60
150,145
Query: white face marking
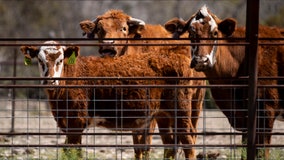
211,55
204,12
42,64
44,61
213,26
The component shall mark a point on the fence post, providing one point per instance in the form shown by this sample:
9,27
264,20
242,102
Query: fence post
13,92
252,23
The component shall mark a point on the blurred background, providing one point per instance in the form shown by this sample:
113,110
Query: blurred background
60,19
26,109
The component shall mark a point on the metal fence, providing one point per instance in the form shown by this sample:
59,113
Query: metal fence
29,131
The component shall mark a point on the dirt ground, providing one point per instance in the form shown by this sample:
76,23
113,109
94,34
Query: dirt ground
34,116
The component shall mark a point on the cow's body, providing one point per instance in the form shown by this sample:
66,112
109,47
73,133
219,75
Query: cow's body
116,24
131,109
231,61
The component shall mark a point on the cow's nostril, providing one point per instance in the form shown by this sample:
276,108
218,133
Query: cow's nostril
52,81
193,63
204,59
44,82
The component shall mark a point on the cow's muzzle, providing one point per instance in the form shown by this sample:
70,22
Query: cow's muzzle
107,51
200,63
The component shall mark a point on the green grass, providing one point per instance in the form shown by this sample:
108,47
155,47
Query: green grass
275,154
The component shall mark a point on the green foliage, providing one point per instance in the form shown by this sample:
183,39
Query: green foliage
276,20
71,154
275,154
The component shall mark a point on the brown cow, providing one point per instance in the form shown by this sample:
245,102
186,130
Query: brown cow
117,24
229,61
137,106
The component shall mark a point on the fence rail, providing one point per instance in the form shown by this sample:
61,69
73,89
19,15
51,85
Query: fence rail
31,119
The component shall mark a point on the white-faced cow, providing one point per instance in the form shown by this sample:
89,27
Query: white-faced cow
129,109
230,61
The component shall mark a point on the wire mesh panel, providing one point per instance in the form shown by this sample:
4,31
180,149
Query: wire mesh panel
36,135
151,106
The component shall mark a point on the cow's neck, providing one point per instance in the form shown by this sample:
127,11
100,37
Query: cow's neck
229,61
155,31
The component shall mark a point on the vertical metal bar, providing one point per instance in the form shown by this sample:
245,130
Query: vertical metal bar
252,23
14,93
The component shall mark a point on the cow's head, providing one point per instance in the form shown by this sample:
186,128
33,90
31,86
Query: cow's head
200,26
113,24
51,59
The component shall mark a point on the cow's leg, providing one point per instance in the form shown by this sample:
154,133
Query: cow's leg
143,138
265,123
165,122
74,129
243,151
73,139
166,133
197,105
185,128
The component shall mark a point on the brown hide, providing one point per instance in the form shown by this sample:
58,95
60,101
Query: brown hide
231,61
126,108
157,31
148,31
111,25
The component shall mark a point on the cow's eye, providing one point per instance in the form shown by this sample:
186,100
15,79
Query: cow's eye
215,33
58,63
124,29
40,61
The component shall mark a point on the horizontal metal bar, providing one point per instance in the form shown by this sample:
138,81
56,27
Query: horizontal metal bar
121,133
139,145
113,78
118,133
122,86
16,40
137,78
124,146
124,44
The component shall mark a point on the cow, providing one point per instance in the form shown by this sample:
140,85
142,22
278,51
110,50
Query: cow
222,61
116,24
122,109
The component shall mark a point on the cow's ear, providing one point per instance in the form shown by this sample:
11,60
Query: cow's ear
176,26
29,51
88,28
227,26
135,26
71,53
